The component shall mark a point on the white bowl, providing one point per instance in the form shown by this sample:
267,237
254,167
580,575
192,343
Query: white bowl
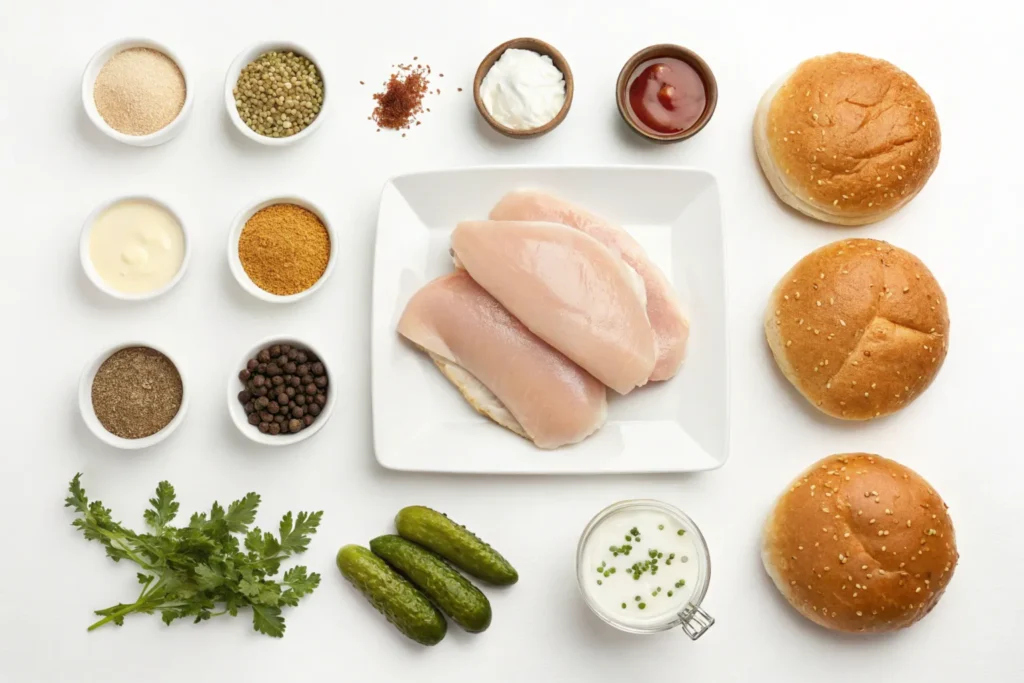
237,410
92,70
90,270
89,413
250,54
235,263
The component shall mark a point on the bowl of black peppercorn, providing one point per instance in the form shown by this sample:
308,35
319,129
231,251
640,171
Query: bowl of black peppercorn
281,392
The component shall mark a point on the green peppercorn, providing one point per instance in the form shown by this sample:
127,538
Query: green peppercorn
669,594
623,605
642,605
680,532
661,527
600,582
279,94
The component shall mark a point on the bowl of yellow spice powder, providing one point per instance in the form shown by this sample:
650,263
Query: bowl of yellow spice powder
282,249
137,92
275,93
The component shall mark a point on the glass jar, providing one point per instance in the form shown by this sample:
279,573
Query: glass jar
693,620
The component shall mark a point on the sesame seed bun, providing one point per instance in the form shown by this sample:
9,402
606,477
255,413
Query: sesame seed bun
859,327
860,544
847,139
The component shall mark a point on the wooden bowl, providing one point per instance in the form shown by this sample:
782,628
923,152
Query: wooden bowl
681,53
540,47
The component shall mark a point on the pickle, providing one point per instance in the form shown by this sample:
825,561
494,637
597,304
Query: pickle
398,600
449,590
434,531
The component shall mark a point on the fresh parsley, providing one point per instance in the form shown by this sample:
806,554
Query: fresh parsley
200,571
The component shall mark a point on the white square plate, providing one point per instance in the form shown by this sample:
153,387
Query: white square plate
421,423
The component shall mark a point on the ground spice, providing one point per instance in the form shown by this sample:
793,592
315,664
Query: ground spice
136,392
402,99
139,91
284,249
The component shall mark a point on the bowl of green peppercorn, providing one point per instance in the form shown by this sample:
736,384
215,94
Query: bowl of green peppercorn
275,93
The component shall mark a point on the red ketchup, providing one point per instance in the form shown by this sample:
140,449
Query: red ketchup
666,95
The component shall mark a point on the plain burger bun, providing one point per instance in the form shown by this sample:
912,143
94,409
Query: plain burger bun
860,544
859,327
847,139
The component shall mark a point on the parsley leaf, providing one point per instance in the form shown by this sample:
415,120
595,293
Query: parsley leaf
164,507
200,571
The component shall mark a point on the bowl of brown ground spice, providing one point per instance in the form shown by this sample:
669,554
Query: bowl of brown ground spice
137,92
132,396
282,249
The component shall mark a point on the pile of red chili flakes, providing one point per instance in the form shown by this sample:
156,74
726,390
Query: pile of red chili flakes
402,100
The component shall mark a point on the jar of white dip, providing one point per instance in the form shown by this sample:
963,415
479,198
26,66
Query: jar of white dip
643,567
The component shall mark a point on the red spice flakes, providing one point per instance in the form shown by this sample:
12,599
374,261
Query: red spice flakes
402,98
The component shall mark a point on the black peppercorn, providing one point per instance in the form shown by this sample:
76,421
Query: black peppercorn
265,416
321,399
321,381
280,419
273,408
244,397
262,402
300,400
282,399
264,427
275,350
302,369
290,367
274,428
318,369
297,411
244,375
277,380
259,381
254,419
293,354
295,426
311,389
260,391
290,392
272,369
261,368
286,348
301,357
296,381
308,420
314,410
249,407
251,365
264,356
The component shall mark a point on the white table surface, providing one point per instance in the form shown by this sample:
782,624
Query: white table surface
55,167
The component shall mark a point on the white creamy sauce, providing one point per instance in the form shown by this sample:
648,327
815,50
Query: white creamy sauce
136,246
523,89
662,593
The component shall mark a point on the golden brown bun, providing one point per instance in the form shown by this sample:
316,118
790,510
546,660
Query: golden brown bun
847,139
860,544
860,328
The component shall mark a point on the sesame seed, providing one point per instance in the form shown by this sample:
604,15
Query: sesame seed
818,303
789,343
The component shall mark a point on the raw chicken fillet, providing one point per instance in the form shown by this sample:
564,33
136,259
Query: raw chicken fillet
568,289
502,369
671,328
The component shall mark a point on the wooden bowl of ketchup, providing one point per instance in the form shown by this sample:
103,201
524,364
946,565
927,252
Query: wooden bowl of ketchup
666,93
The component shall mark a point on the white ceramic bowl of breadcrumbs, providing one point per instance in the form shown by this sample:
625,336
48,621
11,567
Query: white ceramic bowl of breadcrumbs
283,254
250,55
137,91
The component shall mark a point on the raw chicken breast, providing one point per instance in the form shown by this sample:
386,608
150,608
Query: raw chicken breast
671,329
501,368
568,289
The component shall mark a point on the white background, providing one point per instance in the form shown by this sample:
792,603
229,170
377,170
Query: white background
55,168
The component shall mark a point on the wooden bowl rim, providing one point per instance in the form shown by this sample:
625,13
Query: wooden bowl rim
707,76
541,47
